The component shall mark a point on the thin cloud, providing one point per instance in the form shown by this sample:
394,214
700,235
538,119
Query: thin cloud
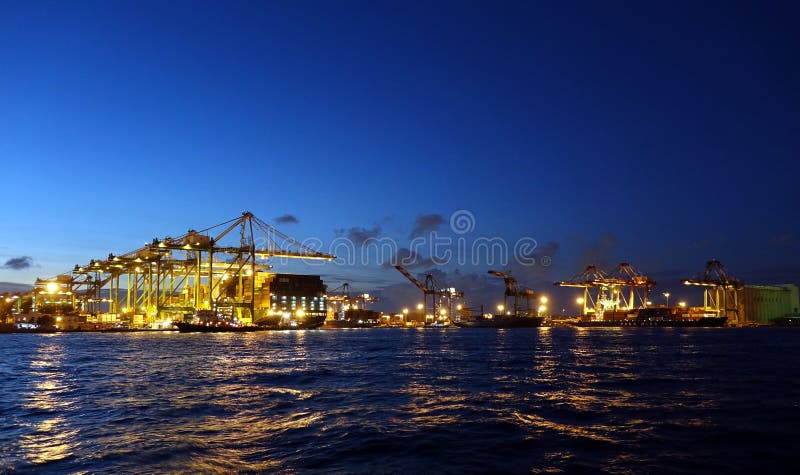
781,240
411,259
598,253
426,223
287,219
358,235
18,263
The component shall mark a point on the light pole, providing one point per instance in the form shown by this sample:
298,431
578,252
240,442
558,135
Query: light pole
666,295
580,301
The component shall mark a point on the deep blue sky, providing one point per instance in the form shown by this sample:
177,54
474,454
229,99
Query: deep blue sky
660,133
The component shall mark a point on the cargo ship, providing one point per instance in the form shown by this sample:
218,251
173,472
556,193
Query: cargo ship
355,318
204,322
655,317
499,321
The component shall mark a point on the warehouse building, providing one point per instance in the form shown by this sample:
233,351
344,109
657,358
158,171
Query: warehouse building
763,303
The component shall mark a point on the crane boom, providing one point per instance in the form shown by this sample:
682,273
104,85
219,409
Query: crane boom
511,283
412,278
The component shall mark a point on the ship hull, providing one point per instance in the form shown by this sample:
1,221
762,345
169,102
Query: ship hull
309,323
501,321
198,328
667,322
333,324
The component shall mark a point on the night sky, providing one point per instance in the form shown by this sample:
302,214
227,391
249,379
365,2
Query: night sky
659,133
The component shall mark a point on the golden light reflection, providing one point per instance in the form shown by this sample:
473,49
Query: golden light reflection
539,423
431,406
49,439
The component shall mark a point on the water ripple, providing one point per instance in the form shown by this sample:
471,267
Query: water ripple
397,401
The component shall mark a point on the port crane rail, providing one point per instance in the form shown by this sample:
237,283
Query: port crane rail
219,269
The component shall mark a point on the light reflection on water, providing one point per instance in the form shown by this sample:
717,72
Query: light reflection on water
399,400
45,436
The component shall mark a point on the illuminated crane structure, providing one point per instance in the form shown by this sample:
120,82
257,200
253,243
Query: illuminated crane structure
720,290
592,281
438,299
343,299
622,289
521,296
220,269
638,287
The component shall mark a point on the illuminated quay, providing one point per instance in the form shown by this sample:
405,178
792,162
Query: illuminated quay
221,270
221,276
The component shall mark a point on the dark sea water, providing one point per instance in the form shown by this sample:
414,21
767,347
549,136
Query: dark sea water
403,401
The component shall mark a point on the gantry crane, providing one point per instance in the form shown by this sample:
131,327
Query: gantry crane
344,299
720,290
593,282
622,289
517,292
217,269
435,297
638,285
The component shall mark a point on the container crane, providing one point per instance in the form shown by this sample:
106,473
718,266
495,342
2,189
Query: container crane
344,299
638,284
435,296
593,281
513,289
720,290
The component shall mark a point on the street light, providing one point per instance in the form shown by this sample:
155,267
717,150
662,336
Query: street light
580,302
420,306
682,304
543,299
500,308
666,295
